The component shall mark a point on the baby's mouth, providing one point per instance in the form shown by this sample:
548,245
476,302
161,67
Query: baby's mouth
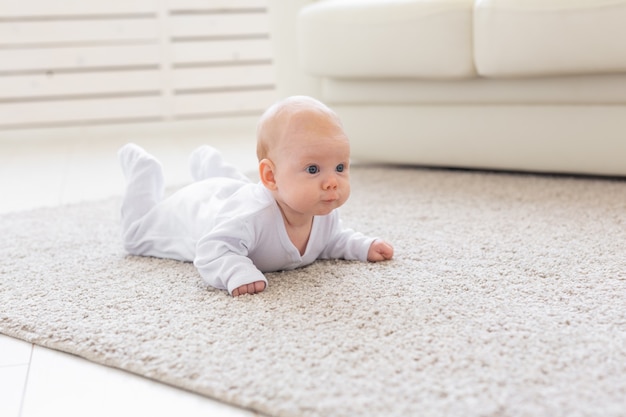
330,199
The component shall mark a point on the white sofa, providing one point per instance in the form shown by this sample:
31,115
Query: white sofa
529,85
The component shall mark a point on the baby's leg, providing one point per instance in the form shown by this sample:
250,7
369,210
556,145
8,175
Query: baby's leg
144,183
206,162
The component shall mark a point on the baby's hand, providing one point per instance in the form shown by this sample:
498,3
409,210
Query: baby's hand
255,287
379,251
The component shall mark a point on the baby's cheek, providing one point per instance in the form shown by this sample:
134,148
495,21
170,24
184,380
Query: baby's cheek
346,189
306,198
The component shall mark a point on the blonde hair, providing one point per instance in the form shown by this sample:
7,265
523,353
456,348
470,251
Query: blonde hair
274,122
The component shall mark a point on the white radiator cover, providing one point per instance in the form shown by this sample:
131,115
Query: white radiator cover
76,62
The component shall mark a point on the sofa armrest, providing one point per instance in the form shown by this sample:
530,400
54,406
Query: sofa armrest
290,78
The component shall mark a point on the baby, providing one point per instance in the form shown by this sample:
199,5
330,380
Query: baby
233,229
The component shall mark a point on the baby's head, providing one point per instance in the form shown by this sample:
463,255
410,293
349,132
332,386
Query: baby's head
304,156
285,119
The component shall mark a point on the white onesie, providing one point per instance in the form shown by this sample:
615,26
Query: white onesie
233,230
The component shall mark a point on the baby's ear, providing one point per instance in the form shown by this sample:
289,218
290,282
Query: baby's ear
266,172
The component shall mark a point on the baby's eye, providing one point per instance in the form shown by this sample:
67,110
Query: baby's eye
313,169
340,168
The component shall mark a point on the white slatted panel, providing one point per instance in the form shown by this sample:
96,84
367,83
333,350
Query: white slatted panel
38,60
215,25
190,80
42,86
216,4
83,111
66,31
221,104
56,8
193,52
69,62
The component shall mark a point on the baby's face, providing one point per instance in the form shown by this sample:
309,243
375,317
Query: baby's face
313,168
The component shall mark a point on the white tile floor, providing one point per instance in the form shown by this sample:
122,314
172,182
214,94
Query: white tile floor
71,165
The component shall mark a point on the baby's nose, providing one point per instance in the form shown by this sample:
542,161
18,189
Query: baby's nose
330,183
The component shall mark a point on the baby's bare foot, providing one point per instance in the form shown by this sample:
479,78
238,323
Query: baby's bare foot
255,287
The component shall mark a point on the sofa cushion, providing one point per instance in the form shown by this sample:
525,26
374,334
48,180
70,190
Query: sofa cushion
518,38
387,38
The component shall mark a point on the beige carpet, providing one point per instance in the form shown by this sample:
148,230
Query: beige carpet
507,297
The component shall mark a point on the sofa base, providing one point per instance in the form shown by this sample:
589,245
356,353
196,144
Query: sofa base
553,139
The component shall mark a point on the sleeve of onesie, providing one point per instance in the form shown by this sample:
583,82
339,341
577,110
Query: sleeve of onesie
222,257
346,243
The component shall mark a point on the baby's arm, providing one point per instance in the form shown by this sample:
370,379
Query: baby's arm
223,262
229,271
379,251
351,245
